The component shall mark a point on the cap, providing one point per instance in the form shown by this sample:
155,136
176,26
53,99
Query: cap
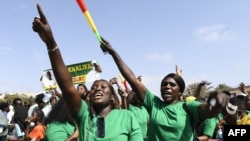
190,98
241,94
231,109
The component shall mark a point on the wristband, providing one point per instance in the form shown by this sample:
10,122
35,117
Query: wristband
53,50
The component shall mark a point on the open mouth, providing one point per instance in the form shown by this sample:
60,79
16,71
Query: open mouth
98,95
166,94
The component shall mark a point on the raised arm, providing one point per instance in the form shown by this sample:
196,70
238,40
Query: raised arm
242,88
62,75
200,85
128,74
178,71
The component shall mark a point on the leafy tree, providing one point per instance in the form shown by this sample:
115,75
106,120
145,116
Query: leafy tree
23,97
223,87
191,89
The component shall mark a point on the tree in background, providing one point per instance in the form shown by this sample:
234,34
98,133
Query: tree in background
223,87
190,90
25,98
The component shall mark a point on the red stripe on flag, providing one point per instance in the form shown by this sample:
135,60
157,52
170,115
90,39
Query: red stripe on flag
82,5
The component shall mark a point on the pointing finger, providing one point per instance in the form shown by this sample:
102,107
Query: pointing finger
41,14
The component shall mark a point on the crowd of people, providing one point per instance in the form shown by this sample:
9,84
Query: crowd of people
108,111
51,120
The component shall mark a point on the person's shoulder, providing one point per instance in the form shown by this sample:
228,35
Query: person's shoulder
131,106
149,92
120,110
40,127
193,103
21,108
190,106
210,120
33,107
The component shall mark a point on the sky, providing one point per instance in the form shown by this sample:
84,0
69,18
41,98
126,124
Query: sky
208,40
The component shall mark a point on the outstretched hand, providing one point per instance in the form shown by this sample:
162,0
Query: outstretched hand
42,27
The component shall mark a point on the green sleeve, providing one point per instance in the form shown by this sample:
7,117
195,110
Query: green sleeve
151,100
83,111
193,109
209,126
58,132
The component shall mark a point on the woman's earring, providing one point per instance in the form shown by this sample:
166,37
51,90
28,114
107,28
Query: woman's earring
112,100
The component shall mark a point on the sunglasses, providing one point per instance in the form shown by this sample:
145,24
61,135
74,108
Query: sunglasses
100,133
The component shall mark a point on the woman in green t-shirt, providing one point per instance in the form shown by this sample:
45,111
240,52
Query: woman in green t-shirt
60,125
103,119
169,119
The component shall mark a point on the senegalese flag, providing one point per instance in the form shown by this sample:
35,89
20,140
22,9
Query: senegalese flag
91,23
89,18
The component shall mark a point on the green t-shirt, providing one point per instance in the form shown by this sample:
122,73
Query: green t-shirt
209,126
169,122
142,116
58,131
119,124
